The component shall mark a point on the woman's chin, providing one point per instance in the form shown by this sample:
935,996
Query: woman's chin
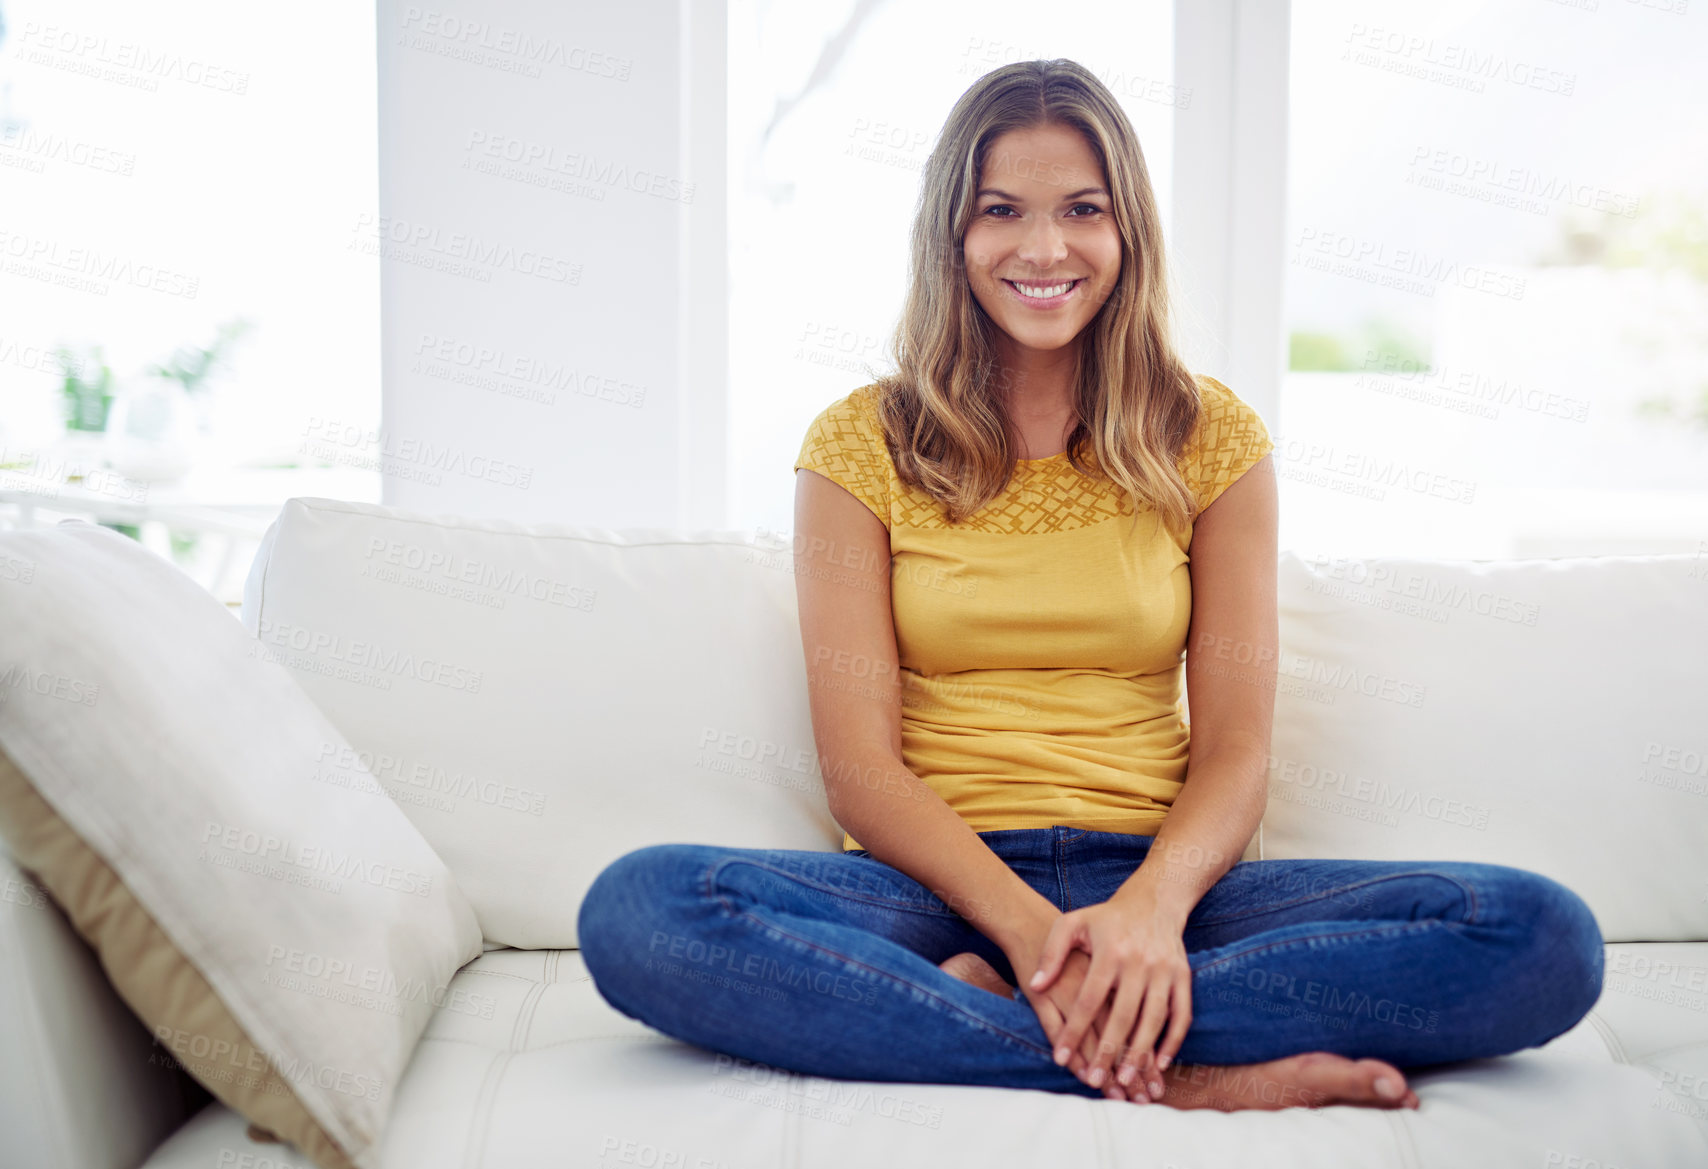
1039,341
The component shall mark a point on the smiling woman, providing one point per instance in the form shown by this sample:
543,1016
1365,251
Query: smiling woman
1056,525
1029,189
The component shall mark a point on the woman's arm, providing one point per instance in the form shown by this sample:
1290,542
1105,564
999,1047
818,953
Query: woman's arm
1231,646
842,582
1231,650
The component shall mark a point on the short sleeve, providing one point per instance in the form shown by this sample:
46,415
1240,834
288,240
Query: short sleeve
845,444
1229,440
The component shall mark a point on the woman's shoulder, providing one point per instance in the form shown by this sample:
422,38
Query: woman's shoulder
845,443
859,402
864,400
1221,405
851,421
1228,438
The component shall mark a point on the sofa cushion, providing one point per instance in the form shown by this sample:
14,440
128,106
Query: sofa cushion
540,699
535,1068
1655,1000
280,936
1545,714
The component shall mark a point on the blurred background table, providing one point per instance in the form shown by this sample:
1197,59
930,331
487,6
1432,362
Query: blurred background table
208,523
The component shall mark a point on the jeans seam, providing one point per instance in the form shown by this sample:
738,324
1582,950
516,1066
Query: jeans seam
960,1012
1469,892
1062,874
1375,926
710,888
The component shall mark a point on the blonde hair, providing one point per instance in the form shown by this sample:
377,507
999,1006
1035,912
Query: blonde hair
942,409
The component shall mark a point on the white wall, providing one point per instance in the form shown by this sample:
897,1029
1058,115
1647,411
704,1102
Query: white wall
551,232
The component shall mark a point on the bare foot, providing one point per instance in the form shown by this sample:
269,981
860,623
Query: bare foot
1310,1080
969,967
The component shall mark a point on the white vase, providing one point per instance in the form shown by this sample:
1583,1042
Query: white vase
151,431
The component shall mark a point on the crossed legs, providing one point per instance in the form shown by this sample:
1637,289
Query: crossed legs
829,964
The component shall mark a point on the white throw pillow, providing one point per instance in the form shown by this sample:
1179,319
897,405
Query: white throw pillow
284,938
1547,714
540,699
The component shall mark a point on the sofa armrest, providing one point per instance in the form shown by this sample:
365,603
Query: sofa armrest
82,1084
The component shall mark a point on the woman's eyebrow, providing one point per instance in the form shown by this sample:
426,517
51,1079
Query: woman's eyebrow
1079,194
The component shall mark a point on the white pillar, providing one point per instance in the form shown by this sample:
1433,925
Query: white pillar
551,223
1228,245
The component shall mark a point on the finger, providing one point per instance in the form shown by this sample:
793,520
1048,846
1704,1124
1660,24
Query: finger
1114,1033
1085,1056
1048,1016
1093,992
1076,1061
1113,1090
1062,996
1179,1022
1080,1063
1109,1086
1138,1066
1057,943
1051,1020
1151,1019
1135,1064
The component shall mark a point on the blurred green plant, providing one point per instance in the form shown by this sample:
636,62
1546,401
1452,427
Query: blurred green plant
1668,233
1316,352
1669,230
86,387
192,365
1310,351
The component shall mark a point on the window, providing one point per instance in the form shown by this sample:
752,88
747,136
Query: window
1496,279
169,171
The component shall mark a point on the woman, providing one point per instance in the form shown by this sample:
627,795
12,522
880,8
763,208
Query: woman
1039,884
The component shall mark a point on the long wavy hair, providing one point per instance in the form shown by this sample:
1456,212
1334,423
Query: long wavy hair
943,408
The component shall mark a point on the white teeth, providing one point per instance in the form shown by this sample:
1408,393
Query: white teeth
1042,293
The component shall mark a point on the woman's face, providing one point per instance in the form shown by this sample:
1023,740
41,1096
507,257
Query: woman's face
1042,223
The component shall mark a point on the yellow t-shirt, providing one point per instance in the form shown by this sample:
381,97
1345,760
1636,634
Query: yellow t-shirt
1042,646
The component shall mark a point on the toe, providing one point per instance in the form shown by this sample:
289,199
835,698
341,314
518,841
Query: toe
1377,1072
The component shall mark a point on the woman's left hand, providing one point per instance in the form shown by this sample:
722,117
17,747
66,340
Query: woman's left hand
1137,955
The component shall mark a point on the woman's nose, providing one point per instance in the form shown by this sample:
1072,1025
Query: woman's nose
1042,245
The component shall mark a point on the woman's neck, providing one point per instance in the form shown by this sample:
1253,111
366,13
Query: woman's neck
1037,387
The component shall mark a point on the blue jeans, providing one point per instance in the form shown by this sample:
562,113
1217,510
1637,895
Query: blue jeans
825,963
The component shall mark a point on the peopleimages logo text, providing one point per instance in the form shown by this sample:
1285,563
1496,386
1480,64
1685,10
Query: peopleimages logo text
263,846
368,654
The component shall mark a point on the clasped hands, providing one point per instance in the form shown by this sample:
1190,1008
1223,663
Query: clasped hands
1106,979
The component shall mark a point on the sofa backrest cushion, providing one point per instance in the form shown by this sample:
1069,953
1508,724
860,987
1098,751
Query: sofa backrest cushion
1546,714
540,699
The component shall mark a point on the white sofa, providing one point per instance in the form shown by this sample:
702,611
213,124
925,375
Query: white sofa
643,686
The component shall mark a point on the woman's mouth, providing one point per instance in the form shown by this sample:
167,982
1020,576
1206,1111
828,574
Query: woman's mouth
1038,294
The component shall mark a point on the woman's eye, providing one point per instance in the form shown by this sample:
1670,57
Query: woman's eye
1091,207
998,207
